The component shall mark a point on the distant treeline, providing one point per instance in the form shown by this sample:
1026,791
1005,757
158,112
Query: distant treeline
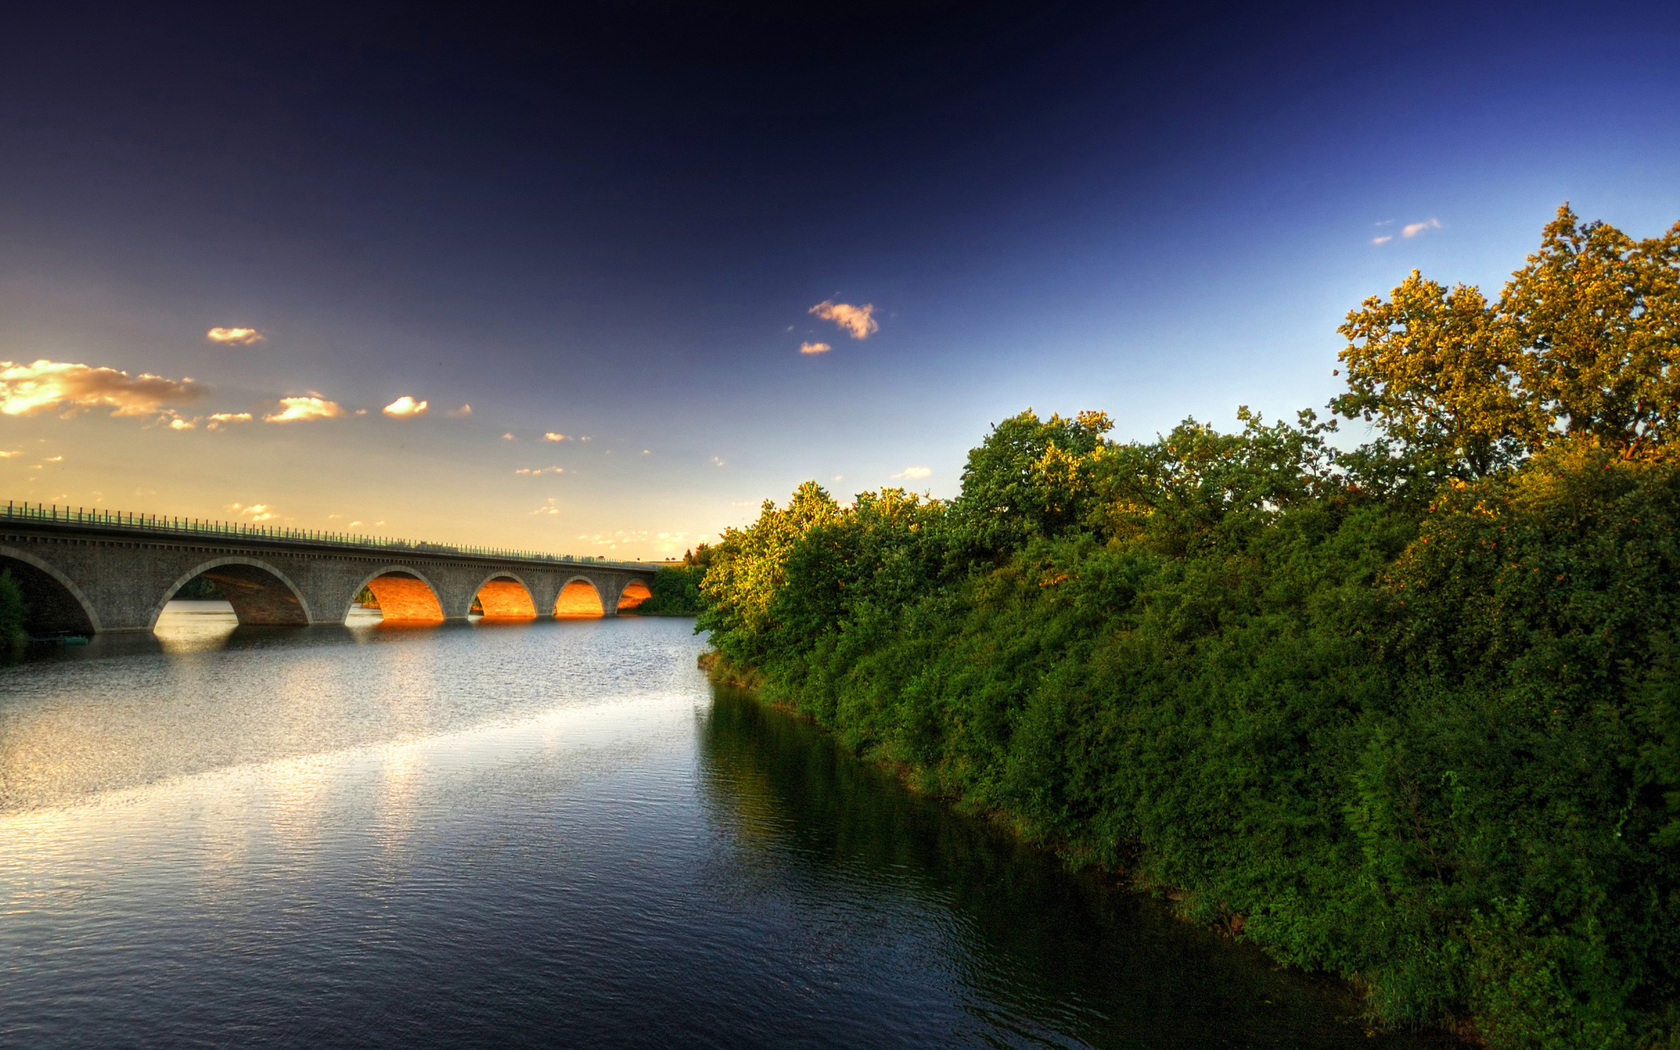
675,590
1408,713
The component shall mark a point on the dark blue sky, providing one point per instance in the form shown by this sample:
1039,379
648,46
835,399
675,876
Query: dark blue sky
612,220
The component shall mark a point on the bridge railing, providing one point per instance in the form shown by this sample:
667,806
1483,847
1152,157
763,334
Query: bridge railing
154,523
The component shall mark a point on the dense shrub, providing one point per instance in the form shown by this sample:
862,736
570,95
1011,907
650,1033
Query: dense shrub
1408,713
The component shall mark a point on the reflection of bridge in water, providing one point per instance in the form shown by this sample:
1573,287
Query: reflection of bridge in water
90,571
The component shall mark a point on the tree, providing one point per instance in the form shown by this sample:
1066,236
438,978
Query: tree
1583,344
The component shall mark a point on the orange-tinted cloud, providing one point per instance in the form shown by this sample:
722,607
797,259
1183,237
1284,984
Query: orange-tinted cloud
854,320
405,406
304,409
234,336
44,386
552,436
814,348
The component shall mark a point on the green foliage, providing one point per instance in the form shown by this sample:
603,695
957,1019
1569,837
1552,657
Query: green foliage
1410,711
676,589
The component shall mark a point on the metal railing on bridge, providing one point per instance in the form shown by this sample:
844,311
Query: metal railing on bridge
52,513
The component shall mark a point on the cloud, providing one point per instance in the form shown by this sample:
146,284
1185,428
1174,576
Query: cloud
234,336
182,424
460,413
217,419
716,462
10,455
855,320
1382,240
304,409
405,406
1413,229
49,385
256,511
552,436
509,437
914,473
550,506
814,348
537,472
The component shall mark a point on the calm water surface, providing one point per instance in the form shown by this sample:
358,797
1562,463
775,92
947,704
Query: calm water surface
550,834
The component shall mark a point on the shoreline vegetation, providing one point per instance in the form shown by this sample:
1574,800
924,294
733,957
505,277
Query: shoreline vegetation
1406,713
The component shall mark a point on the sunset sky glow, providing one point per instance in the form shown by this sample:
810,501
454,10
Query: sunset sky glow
601,282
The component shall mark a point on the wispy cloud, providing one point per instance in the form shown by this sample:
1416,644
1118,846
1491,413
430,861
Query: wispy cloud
1415,228
405,406
43,386
550,506
552,436
509,437
717,462
304,409
914,473
234,336
1382,240
814,348
855,320
537,472
183,424
256,511
460,413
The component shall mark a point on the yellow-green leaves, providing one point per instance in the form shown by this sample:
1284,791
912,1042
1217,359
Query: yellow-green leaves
1584,340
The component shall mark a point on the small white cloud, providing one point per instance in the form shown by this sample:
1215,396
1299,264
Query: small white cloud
1382,240
509,437
914,473
230,417
26,389
550,506
839,477
854,320
405,406
552,436
647,452
584,438
716,462
256,511
1413,229
304,409
814,348
537,472
460,413
234,336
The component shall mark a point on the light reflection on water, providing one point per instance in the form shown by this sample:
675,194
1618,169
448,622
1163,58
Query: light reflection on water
550,833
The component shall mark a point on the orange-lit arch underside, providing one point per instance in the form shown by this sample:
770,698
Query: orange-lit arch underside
406,599
579,599
506,600
635,593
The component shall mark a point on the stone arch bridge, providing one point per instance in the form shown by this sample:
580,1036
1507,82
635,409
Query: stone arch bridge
89,572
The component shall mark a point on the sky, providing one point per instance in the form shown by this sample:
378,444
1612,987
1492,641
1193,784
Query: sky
600,281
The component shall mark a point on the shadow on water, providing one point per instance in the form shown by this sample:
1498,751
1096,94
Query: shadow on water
1109,967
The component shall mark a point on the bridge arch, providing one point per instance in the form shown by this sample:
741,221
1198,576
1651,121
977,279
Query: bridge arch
504,596
52,602
579,599
260,594
404,594
634,593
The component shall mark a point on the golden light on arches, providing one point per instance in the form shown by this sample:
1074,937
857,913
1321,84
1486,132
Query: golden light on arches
506,599
635,593
405,599
579,600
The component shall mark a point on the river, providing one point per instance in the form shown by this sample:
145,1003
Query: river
539,834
